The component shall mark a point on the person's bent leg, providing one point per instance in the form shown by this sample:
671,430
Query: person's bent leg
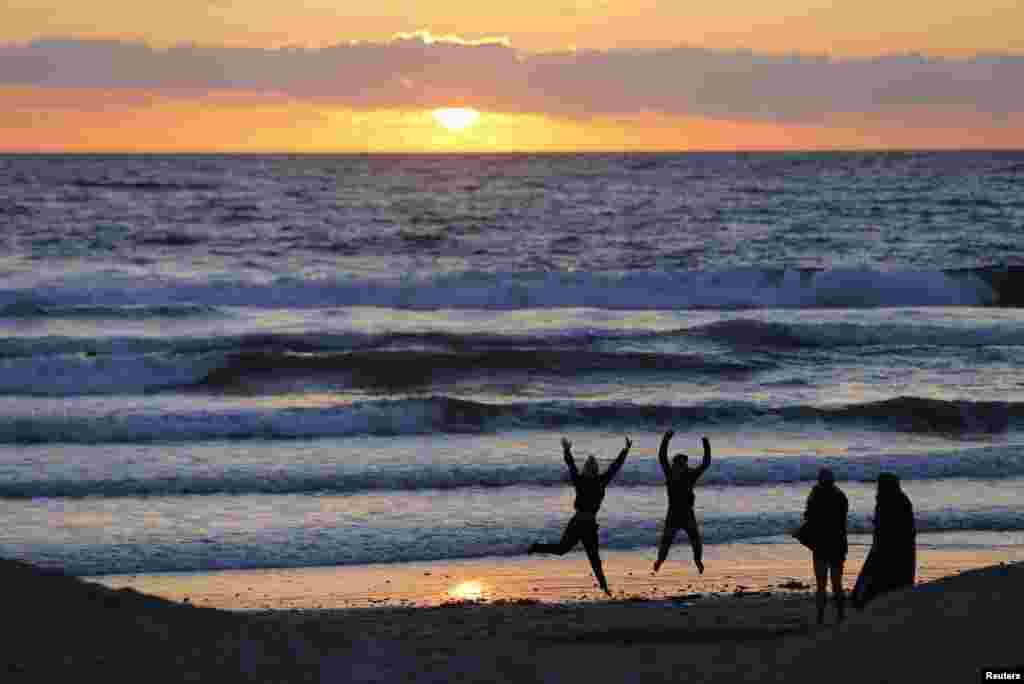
590,543
667,536
693,532
821,579
569,539
838,596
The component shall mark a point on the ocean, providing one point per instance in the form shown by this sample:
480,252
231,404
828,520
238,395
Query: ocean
225,362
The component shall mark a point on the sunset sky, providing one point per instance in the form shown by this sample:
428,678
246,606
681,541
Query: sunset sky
323,75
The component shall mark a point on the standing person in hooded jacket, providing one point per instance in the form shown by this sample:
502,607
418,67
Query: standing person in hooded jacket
824,532
680,480
590,485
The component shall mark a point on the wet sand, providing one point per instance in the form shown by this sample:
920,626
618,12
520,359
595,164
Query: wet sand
730,568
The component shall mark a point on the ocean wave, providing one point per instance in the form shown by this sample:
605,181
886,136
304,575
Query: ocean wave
88,373
146,185
382,417
442,414
397,369
33,365
56,366
170,239
33,308
752,333
11,208
635,290
55,345
298,547
915,414
724,529
979,462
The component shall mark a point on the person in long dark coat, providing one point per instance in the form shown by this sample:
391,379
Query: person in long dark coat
892,561
825,533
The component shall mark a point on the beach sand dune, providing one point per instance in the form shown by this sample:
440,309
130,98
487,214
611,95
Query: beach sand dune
64,629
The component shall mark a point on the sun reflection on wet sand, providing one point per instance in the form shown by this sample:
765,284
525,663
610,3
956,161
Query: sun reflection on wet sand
471,590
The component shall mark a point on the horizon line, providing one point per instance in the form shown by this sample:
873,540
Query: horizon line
587,151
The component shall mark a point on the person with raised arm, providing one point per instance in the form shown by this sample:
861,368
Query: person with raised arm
590,485
680,480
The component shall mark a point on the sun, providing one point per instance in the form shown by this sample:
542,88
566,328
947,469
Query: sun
472,590
456,118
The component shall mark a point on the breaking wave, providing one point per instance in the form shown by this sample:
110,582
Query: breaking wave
255,478
441,414
652,290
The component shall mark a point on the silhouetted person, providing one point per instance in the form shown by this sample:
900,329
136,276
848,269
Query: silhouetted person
679,480
825,534
590,486
892,561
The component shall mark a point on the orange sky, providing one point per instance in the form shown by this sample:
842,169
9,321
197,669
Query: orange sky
168,125
560,109
839,27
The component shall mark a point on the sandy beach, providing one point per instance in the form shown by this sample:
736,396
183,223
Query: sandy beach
729,625
731,569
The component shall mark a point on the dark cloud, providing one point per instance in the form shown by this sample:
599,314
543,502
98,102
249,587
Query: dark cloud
417,70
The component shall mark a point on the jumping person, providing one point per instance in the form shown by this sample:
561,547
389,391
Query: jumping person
680,479
825,529
590,486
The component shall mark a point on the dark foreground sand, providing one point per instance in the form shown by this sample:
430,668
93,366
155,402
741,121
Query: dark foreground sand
63,629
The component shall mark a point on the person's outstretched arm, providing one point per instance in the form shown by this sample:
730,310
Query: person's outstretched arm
707,458
663,453
569,461
617,463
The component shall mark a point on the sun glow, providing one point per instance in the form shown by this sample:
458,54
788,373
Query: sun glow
456,118
468,591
